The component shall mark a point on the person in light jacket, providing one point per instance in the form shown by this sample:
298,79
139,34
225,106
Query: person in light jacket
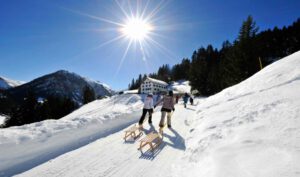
167,108
148,108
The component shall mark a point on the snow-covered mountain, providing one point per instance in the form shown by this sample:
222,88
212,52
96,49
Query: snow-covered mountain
251,129
63,84
6,83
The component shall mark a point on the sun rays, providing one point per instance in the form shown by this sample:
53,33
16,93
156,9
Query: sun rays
137,27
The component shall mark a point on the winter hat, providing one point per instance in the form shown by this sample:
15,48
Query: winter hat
170,93
150,94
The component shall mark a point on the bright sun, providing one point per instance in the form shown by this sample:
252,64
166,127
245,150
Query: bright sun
139,27
136,29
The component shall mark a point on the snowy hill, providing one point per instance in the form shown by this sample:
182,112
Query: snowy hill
25,146
63,84
6,83
251,129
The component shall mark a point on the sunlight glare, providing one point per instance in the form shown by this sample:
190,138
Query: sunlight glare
136,29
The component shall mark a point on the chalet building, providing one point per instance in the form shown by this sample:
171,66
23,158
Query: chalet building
154,86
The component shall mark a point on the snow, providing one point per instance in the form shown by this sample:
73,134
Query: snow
156,81
95,83
23,147
181,87
2,119
251,129
6,83
111,156
131,91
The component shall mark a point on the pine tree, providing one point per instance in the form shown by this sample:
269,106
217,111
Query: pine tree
247,50
210,70
241,60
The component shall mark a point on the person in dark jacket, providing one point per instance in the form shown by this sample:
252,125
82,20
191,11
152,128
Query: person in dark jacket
191,100
177,98
167,108
185,99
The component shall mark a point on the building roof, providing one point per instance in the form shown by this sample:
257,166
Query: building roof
156,81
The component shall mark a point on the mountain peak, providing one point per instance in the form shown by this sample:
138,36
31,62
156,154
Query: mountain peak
64,72
61,83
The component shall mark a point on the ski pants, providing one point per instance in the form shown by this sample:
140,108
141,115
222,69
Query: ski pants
162,120
144,115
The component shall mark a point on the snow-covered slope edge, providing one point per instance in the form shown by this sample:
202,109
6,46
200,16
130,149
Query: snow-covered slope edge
251,129
24,147
6,83
2,119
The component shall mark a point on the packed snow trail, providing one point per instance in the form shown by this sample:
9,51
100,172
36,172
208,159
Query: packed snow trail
24,147
111,156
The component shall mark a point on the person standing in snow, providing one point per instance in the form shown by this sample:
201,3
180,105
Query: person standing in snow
157,97
191,100
185,99
148,108
167,108
177,98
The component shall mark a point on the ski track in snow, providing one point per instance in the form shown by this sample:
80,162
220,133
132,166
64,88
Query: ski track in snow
111,156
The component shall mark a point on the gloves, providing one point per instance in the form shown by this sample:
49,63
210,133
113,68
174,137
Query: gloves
173,109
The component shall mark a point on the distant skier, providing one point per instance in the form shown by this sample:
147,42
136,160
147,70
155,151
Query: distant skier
157,97
177,98
185,99
167,108
191,100
148,108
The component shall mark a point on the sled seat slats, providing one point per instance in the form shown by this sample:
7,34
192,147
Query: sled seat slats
152,139
133,132
132,129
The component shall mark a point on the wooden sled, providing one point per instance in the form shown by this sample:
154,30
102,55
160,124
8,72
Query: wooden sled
153,139
133,132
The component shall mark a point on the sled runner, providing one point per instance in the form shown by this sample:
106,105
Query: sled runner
133,132
153,139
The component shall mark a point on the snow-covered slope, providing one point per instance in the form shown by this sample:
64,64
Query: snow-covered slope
25,146
6,83
251,129
111,156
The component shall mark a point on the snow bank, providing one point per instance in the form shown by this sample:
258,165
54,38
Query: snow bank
251,129
181,87
2,119
136,91
25,146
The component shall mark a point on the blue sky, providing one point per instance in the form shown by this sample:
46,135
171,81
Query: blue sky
38,37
